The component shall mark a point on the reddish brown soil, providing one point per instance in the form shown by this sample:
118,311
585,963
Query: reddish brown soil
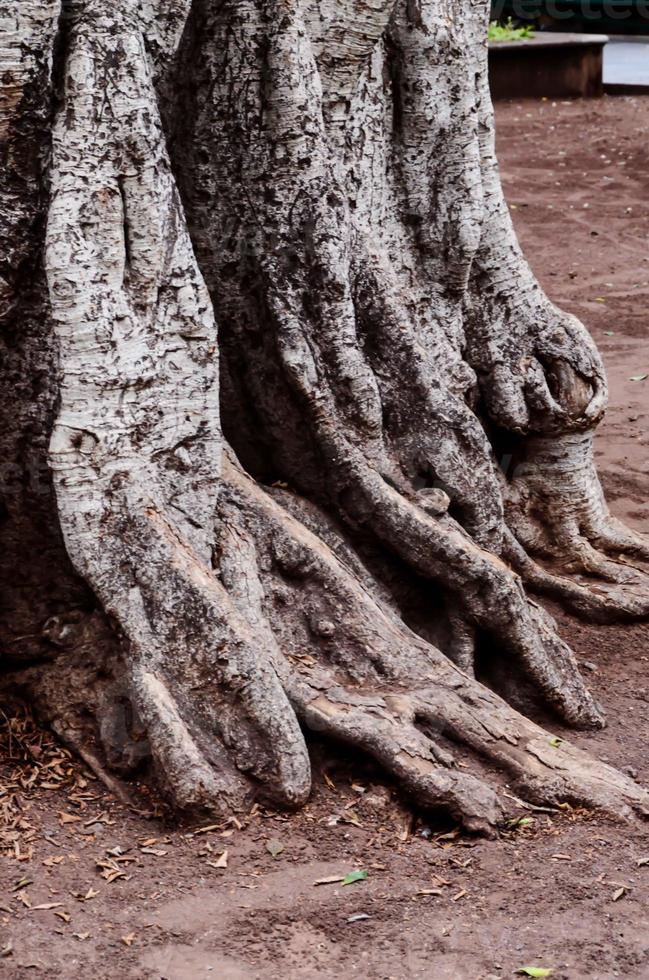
541,895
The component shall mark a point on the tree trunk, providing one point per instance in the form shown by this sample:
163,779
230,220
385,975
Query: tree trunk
201,560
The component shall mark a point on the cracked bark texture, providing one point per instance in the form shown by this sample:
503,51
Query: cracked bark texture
268,336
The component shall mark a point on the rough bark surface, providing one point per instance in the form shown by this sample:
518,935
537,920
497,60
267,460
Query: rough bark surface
411,419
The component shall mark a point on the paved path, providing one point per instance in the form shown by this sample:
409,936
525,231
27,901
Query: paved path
627,62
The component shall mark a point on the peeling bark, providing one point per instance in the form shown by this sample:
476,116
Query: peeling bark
320,181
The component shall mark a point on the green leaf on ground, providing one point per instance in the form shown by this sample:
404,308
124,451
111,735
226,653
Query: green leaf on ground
520,822
355,876
535,971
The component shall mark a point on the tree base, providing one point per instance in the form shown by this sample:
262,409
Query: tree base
293,636
368,349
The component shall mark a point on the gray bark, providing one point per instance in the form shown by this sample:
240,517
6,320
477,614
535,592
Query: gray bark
319,180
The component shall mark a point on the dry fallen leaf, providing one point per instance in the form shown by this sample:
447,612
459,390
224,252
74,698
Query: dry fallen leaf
50,862
439,881
221,861
90,894
274,848
460,864
206,830
329,881
617,895
460,894
111,870
68,818
46,907
129,940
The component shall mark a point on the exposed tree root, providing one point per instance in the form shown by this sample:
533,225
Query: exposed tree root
338,660
80,745
557,510
401,685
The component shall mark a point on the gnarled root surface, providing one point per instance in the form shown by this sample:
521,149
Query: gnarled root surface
219,673
346,246
557,510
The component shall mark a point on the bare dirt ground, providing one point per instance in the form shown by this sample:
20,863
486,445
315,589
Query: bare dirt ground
91,889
